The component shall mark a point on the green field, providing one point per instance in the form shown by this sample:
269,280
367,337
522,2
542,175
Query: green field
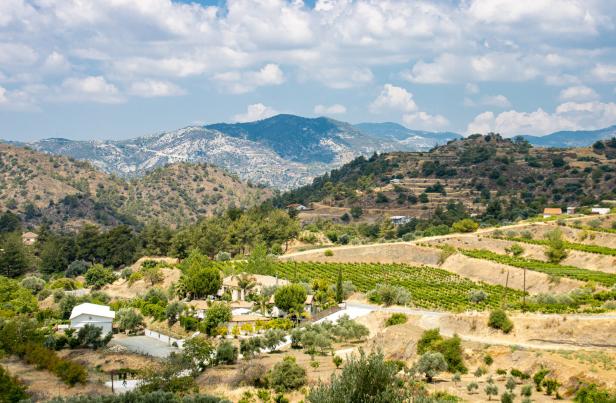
582,247
553,269
430,288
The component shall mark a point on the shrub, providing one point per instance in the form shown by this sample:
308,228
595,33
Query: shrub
472,387
465,225
34,284
593,394
250,373
367,378
226,353
451,349
11,388
328,252
556,246
389,295
488,360
499,320
287,375
477,296
396,319
77,268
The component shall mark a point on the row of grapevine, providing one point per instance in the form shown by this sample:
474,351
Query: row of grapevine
601,250
553,269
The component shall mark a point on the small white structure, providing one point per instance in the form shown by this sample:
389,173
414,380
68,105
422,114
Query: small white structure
395,181
600,210
570,210
29,238
92,314
400,219
298,207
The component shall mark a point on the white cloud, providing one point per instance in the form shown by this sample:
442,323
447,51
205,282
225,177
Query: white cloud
605,72
499,101
17,54
393,98
567,116
471,88
335,109
255,112
88,89
242,82
155,88
425,121
578,93
15,99
56,63
492,66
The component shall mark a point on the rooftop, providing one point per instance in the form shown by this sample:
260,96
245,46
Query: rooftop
92,309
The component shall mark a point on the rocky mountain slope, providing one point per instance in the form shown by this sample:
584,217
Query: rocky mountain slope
579,138
284,151
68,192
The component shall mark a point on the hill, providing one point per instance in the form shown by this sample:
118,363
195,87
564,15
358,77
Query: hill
579,138
489,175
68,192
397,132
284,151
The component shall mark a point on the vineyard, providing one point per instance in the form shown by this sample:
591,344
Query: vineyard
582,247
552,269
597,229
430,288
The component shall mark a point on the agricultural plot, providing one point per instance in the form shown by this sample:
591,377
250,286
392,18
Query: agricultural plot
430,288
553,269
582,247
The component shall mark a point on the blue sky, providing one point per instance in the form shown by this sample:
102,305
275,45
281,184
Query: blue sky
100,69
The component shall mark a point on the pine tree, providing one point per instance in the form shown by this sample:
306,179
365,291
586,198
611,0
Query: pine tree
339,290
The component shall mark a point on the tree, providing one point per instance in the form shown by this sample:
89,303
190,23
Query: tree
54,256
337,360
339,288
250,347
77,268
128,319
246,282
9,222
259,262
217,314
199,278
92,336
14,260
152,275
491,390
199,350
290,297
510,385
431,364
118,246
34,284
98,276
556,246
272,338
287,375
173,311
472,387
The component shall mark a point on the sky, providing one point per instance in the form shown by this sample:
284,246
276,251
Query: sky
116,69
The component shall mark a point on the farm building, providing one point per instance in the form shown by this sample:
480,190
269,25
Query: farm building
600,210
92,314
551,211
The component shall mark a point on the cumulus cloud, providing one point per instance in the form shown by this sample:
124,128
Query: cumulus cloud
566,116
242,82
605,72
578,93
255,112
394,99
155,88
335,109
88,89
425,121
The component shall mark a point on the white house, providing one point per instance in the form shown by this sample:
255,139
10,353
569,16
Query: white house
400,219
92,314
600,210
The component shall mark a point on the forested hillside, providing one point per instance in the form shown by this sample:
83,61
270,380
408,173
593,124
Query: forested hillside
488,175
68,193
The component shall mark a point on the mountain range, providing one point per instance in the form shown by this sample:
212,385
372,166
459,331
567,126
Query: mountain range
284,151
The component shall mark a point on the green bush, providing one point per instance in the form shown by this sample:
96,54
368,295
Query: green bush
287,375
465,225
226,353
499,320
593,394
11,388
396,319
